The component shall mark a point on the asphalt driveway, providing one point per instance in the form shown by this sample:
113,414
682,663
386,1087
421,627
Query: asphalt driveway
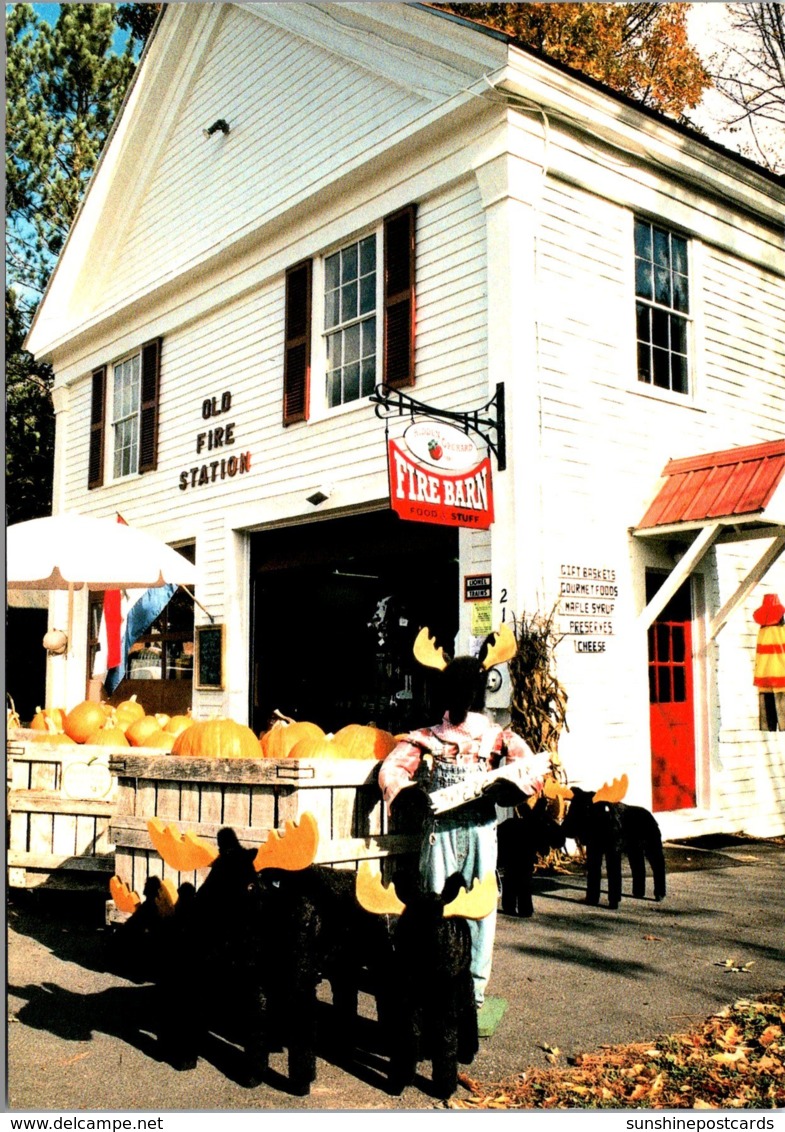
575,978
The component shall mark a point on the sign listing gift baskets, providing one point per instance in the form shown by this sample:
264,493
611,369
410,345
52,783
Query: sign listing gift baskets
436,476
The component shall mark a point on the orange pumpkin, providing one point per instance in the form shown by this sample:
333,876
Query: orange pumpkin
270,739
364,742
82,720
55,738
319,747
128,712
107,737
217,739
141,731
48,719
162,740
177,724
277,743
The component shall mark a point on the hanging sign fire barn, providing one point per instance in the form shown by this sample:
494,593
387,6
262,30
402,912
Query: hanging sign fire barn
435,471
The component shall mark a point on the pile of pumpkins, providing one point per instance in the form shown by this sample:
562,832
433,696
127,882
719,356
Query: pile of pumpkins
105,725
293,740
128,725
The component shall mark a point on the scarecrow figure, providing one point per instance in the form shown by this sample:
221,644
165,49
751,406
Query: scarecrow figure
450,765
770,663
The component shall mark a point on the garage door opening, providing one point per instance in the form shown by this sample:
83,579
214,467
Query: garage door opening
336,607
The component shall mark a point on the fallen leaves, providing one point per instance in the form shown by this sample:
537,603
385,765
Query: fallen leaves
733,965
736,1059
725,1058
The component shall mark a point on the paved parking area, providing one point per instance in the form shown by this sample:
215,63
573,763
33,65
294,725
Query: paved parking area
575,978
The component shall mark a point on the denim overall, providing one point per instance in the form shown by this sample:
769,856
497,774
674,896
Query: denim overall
462,840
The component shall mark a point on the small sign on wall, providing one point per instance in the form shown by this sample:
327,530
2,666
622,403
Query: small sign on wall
588,595
482,619
477,587
209,658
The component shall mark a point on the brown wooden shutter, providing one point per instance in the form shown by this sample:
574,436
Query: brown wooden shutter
148,422
95,465
399,302
297,344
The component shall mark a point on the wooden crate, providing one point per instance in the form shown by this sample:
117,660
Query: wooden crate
59,809
253,796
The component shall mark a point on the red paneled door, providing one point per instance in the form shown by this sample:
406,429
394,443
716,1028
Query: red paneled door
671,700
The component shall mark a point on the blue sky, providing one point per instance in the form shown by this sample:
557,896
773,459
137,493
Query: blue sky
50,12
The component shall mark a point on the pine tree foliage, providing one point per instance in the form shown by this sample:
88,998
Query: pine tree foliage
138,19
64,86
29,422
641,50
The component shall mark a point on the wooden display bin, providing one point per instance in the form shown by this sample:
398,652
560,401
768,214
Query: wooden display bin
59,807
253,796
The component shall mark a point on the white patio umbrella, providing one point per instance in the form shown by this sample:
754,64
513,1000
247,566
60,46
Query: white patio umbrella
71,552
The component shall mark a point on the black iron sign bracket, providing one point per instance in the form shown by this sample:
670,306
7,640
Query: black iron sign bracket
489,418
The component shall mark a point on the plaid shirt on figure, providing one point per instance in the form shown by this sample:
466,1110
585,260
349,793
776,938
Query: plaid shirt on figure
476,744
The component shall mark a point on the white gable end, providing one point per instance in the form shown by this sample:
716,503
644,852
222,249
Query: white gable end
276,93
305,103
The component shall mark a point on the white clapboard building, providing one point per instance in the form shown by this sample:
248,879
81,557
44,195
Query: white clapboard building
300,203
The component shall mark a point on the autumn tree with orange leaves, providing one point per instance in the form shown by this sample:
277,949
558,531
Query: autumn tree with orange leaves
641,50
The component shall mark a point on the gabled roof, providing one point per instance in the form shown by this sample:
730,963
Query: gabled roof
409,70
314,92
737,482
682,127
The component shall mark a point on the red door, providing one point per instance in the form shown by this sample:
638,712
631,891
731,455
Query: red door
671,700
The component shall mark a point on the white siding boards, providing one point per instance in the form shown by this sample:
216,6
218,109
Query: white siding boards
604,437
491,202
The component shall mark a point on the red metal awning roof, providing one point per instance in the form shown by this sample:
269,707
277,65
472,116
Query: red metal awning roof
718,485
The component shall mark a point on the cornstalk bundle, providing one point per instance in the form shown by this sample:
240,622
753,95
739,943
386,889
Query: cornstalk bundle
538,703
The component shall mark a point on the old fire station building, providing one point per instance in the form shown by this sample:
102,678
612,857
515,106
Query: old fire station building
300,203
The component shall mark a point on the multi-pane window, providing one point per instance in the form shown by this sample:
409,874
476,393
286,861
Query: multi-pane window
125,395
166,651
667,664
350,321
125,416
361,327
670,645
662,307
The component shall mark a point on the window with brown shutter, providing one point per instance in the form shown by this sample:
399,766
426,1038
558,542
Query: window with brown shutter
297,345
363,331
95,471
399,298
125,397
148,411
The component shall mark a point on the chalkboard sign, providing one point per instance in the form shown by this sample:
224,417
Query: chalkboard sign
210,657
